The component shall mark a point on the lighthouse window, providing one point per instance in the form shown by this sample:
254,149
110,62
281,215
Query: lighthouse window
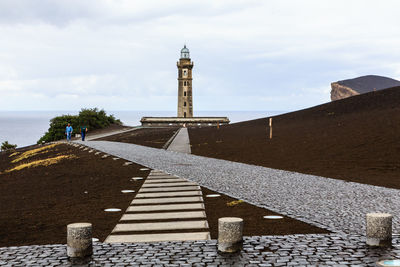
184,83
184,93
184,104
184,73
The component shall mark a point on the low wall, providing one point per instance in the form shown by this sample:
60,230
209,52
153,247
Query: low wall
179,121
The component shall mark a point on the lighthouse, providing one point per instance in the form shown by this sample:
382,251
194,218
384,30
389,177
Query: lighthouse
185,100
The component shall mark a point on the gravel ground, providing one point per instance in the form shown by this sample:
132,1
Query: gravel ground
290,250
336,205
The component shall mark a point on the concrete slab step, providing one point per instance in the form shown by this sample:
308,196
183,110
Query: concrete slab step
169,194
169,189
166,200
130,227
165,207
157,237
163,215
166,180
161,177
168,184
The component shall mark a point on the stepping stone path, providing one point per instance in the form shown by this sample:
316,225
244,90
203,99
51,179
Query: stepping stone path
166,208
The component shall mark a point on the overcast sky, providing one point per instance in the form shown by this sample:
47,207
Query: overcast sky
248,55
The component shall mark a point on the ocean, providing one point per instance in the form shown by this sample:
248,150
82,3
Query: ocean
26,127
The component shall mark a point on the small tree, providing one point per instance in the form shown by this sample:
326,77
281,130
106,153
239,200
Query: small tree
93,118
7,146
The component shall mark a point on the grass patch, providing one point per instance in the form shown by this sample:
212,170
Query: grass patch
33,152
234,203
42,162
13,154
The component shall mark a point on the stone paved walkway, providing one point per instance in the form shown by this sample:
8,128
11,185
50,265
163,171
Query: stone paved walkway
181,142
333,204
291,250
90,137
163,201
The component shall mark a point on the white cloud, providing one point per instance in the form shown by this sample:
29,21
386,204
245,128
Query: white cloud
254,54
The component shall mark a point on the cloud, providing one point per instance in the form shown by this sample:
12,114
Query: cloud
250,55
64,12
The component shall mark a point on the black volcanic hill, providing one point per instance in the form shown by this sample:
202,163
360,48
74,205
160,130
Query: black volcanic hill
354,139
368,83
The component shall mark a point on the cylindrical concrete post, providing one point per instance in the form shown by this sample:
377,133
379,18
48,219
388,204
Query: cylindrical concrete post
379,229
79,240
230,234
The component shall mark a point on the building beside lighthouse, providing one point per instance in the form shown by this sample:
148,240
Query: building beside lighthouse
185,100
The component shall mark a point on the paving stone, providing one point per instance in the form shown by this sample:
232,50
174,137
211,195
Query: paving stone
169,189
152,177
158,173
193,206
166,200
169,184
169,194
177,225
166,180
163,215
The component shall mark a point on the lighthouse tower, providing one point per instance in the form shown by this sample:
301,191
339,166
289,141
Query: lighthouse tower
185,103
185,66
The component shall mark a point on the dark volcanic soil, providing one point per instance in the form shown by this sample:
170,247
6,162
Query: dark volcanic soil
152,137
37,203
354,139
253,221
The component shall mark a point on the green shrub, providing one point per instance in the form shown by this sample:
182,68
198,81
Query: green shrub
92,118
7,146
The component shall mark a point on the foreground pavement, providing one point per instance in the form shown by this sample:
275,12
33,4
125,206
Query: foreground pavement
290,250
336,205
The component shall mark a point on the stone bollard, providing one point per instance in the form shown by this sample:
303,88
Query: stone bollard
230,234
79,240
379,229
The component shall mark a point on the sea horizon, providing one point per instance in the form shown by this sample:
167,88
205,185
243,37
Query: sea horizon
25,127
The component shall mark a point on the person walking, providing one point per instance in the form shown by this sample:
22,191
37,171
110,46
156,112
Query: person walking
68,131
83,130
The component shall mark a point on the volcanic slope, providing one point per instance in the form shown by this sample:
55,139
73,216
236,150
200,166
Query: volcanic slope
354,139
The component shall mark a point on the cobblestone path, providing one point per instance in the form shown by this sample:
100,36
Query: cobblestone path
337,205
291,250
169,208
